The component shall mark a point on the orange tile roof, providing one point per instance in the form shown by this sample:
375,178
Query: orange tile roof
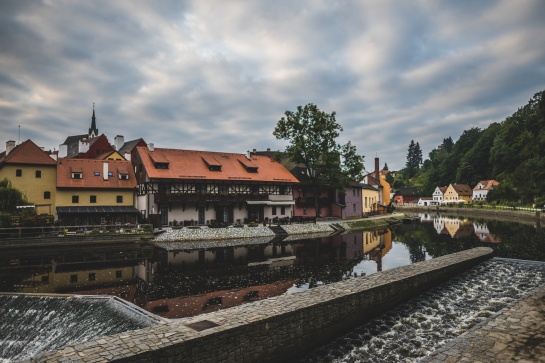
27,153
192,164
487,184
88,167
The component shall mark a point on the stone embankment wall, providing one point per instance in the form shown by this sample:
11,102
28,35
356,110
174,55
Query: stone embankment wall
200,234
516,216
282,327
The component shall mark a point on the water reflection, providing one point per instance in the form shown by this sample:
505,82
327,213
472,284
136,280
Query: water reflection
217,275
459,227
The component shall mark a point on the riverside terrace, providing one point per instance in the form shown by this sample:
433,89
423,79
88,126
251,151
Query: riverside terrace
275,328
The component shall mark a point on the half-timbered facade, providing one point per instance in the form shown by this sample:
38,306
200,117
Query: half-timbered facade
202,187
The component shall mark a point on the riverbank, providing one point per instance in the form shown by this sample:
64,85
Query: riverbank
321,227
497,214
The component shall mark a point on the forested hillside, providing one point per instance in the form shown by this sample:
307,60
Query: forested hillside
511,151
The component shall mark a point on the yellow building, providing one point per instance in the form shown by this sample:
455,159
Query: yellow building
93,192
32,171
369,198
458,193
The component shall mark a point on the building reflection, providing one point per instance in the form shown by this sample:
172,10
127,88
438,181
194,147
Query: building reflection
182,283
460,227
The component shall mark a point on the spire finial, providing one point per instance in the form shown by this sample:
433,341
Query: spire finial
93,131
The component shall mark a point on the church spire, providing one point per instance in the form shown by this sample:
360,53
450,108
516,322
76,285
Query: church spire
93,131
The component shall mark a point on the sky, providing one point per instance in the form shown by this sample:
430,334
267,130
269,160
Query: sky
218,75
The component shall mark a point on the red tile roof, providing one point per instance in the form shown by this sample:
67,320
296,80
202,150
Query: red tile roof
487,184
27,153
191,164
88,167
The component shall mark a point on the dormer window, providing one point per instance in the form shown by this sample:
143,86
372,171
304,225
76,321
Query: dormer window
211,163
161,166
97,173
159,160
248,165
123,176
77,175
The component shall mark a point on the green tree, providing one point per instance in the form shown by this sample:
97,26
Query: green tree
312,135
10,197
385,167
414,160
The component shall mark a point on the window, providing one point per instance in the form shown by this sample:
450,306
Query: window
18,172
110,173
93,199
76,175
222,188
124,176
38,173
75,199
47,195
119,199
92,277
304,211
97,173
274,210
118,274
73,279
354,192
354,207
200,188
282,210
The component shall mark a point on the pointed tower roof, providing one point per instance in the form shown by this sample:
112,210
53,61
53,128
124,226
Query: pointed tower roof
93,131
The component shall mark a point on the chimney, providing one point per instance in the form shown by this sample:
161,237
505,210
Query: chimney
10,145
151,147
268,149
105,171
127,155
83,146
119,141
377,174
63,151
248,155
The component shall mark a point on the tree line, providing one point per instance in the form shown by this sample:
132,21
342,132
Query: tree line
511,151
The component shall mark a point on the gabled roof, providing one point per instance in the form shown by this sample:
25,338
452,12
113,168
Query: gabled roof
88,168
110,154
368,187
191,164
443,189
129,145
487,184
27,153
462,189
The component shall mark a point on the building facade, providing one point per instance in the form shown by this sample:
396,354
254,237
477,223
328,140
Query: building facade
482,188
203,187
32,171
95,192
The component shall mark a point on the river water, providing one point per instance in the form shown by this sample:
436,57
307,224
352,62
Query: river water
215,275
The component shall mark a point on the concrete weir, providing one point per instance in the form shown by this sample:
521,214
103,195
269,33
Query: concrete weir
282,327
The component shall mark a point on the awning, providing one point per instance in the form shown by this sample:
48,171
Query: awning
271,202
97,210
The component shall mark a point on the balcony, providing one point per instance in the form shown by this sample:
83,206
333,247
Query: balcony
207,197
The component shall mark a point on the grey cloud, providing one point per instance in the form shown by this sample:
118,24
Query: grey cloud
218,76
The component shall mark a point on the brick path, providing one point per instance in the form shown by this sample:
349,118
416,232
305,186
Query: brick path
515,334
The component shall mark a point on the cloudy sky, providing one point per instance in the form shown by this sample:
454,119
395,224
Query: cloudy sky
218,75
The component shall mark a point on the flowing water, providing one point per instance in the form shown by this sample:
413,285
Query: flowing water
424,324
34,324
